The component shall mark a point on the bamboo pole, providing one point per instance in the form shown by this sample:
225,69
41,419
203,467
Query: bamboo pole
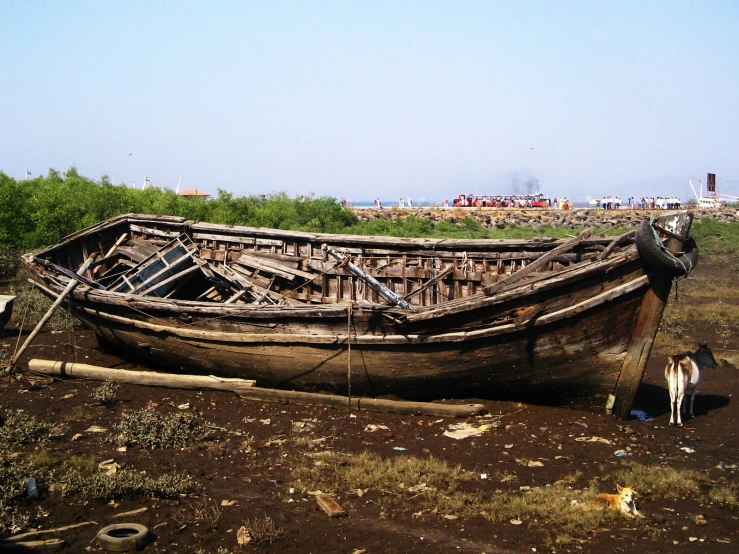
360,403
70,287
148,378
245,389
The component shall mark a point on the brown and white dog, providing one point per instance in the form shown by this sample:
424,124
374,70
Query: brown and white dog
683,372
623,501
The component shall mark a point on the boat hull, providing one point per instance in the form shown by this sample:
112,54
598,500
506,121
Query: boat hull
530,320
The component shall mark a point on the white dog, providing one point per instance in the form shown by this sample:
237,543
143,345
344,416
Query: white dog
683,372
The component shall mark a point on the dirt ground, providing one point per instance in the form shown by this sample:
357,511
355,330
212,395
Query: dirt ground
239,484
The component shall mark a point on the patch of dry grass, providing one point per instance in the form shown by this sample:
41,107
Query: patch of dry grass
701,305
408,484
662,481
202,510
260,530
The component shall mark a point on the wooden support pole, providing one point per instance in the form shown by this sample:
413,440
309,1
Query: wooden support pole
640,345
149,378
645,329
70,287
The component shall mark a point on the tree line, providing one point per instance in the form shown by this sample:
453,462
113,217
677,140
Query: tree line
39,212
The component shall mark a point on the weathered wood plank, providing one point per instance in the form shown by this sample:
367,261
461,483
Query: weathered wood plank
537,264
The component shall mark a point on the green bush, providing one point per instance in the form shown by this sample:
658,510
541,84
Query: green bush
106,393
21,428
13,475
151,429
124,483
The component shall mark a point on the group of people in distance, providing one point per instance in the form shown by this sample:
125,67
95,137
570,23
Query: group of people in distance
660,203
643,203
538,201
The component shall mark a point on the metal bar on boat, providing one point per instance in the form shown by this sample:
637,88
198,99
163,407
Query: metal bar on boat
68,273
371,281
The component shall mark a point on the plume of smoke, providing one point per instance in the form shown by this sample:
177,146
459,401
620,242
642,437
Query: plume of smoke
518,185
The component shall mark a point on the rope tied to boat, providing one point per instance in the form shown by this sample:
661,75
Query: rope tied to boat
674,255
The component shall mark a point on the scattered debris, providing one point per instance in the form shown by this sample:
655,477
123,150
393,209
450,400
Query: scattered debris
242,536
131,513
464,430
530,463
96,429
640,415
110,467
371,428
593,439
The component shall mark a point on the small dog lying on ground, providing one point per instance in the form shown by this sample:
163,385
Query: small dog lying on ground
623,501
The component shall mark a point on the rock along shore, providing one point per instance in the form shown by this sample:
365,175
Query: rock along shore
502,218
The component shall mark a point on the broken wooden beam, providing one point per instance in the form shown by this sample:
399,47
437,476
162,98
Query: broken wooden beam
148,378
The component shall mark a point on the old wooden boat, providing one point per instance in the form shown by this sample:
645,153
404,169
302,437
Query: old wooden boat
553,321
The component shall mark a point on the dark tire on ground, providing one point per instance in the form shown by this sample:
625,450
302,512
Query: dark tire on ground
659,259
123,537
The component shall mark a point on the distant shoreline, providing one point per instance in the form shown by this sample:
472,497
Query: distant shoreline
536,217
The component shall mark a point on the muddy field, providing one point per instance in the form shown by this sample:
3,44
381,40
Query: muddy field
520,485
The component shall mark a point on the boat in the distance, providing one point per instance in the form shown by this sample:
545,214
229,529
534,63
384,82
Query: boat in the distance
545,320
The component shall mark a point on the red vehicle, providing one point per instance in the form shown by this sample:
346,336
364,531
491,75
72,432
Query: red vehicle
509,201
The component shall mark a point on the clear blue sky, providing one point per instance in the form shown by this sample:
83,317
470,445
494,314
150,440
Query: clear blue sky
366,99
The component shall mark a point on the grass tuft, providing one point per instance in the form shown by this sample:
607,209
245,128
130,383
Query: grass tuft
20,427
152,429
106,394
262,530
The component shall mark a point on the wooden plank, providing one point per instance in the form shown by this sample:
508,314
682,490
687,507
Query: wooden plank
155,232
247,258
237,296
539,263
430,282
618,241
168,280
268,242
143,287
109,253
330,506
223,238
250,261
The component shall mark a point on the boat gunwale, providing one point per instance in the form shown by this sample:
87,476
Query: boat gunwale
430,244
576,272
